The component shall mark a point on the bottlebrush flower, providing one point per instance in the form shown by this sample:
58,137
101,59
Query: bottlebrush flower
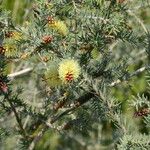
59,26
52,76
17,36
95,53
68,70
14,35
10,49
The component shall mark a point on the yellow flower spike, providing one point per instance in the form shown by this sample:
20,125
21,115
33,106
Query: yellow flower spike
60,27
14,35
52,77
10,50
95,53
17,36
69,70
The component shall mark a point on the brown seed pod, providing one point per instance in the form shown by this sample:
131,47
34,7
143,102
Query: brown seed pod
2,50
45,59
9,34
58,105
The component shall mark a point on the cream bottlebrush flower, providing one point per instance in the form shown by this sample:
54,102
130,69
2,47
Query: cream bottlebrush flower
60,27
95,53
52,76
10,49
14,35
17,36
69,70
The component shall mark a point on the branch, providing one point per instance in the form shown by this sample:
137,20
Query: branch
37,138
16,116
19,73
79,102
130,76
139,21
83,99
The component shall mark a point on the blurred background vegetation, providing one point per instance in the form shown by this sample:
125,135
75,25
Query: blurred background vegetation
20,10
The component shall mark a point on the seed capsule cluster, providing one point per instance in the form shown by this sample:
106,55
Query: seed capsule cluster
47,39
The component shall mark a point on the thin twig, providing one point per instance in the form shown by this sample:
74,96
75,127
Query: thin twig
16,116
131,75
41,59
139,20
37,138
19,73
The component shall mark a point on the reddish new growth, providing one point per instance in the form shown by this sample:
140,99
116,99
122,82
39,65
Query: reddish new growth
3,87
47,39
69,77
142,112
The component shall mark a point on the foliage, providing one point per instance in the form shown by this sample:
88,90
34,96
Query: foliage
62,69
